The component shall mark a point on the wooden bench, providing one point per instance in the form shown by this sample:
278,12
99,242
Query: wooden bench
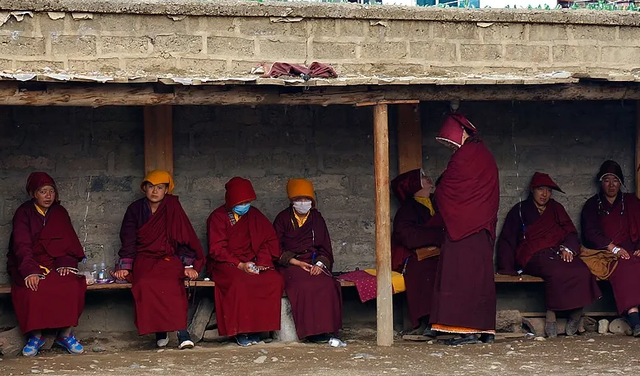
6,289
499,278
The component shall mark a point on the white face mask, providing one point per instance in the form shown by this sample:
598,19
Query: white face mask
302,207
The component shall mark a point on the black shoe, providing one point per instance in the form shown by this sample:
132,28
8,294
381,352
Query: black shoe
572,327
465,339
430,333
551,329
487,338
636,331
319,338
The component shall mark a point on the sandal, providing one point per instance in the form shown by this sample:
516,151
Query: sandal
33,346
71,344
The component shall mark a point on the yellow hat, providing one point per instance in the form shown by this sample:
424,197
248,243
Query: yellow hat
300,188
156,177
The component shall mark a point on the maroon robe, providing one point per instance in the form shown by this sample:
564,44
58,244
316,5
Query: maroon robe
245,303
468,195
316,301
618,223
531,241
159,246
413,228
51,242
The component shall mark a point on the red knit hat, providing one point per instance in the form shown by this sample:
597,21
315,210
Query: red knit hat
451,130
238,190
37,180
405,185
544,180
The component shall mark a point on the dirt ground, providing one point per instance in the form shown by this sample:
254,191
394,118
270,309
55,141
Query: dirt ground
589,354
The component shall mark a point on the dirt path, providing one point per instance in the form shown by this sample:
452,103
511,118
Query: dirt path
583,355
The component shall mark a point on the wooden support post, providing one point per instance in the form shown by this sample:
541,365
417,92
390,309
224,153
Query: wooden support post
409,137
158,138
383,225
638,149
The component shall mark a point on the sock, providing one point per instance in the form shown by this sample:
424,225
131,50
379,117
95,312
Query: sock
551,316
634,319
576,314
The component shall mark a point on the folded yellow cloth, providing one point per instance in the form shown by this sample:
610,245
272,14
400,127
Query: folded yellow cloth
397,280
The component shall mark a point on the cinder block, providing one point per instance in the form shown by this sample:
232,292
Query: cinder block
25,27
152,65
282,50
183,44
620,55
480,52
160,25
124,45
499,32
106,24
102,65
352,28
21,46
71,45
527,53
202,66
575,54
547,33
252,26
230,46
593,33
38,65
333,50
323,27
433,51
456,30
384,50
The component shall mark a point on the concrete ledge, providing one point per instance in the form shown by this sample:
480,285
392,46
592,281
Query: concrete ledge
324,10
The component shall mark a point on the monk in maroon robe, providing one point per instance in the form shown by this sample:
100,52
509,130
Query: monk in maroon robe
468,194
159,250
305,263
539,238
242,249
44,251
611,222
416,227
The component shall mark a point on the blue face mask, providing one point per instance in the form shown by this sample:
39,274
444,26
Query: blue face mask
241,209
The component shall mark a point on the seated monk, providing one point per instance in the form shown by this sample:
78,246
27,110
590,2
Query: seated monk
539,238
44,251
159,250
242,249
306,260
416,228
611,222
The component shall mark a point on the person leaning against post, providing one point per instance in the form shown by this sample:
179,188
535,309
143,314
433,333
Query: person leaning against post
46,290
159,251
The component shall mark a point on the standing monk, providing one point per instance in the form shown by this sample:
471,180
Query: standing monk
468,193
44,252
539,238
159,250
306,259
418,232
242,249
611,222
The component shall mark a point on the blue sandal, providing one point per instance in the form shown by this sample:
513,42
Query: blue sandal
71,344
33,346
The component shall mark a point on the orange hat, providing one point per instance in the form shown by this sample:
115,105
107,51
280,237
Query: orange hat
300,188
238,190
158,177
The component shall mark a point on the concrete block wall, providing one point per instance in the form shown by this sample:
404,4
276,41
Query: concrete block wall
383,42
